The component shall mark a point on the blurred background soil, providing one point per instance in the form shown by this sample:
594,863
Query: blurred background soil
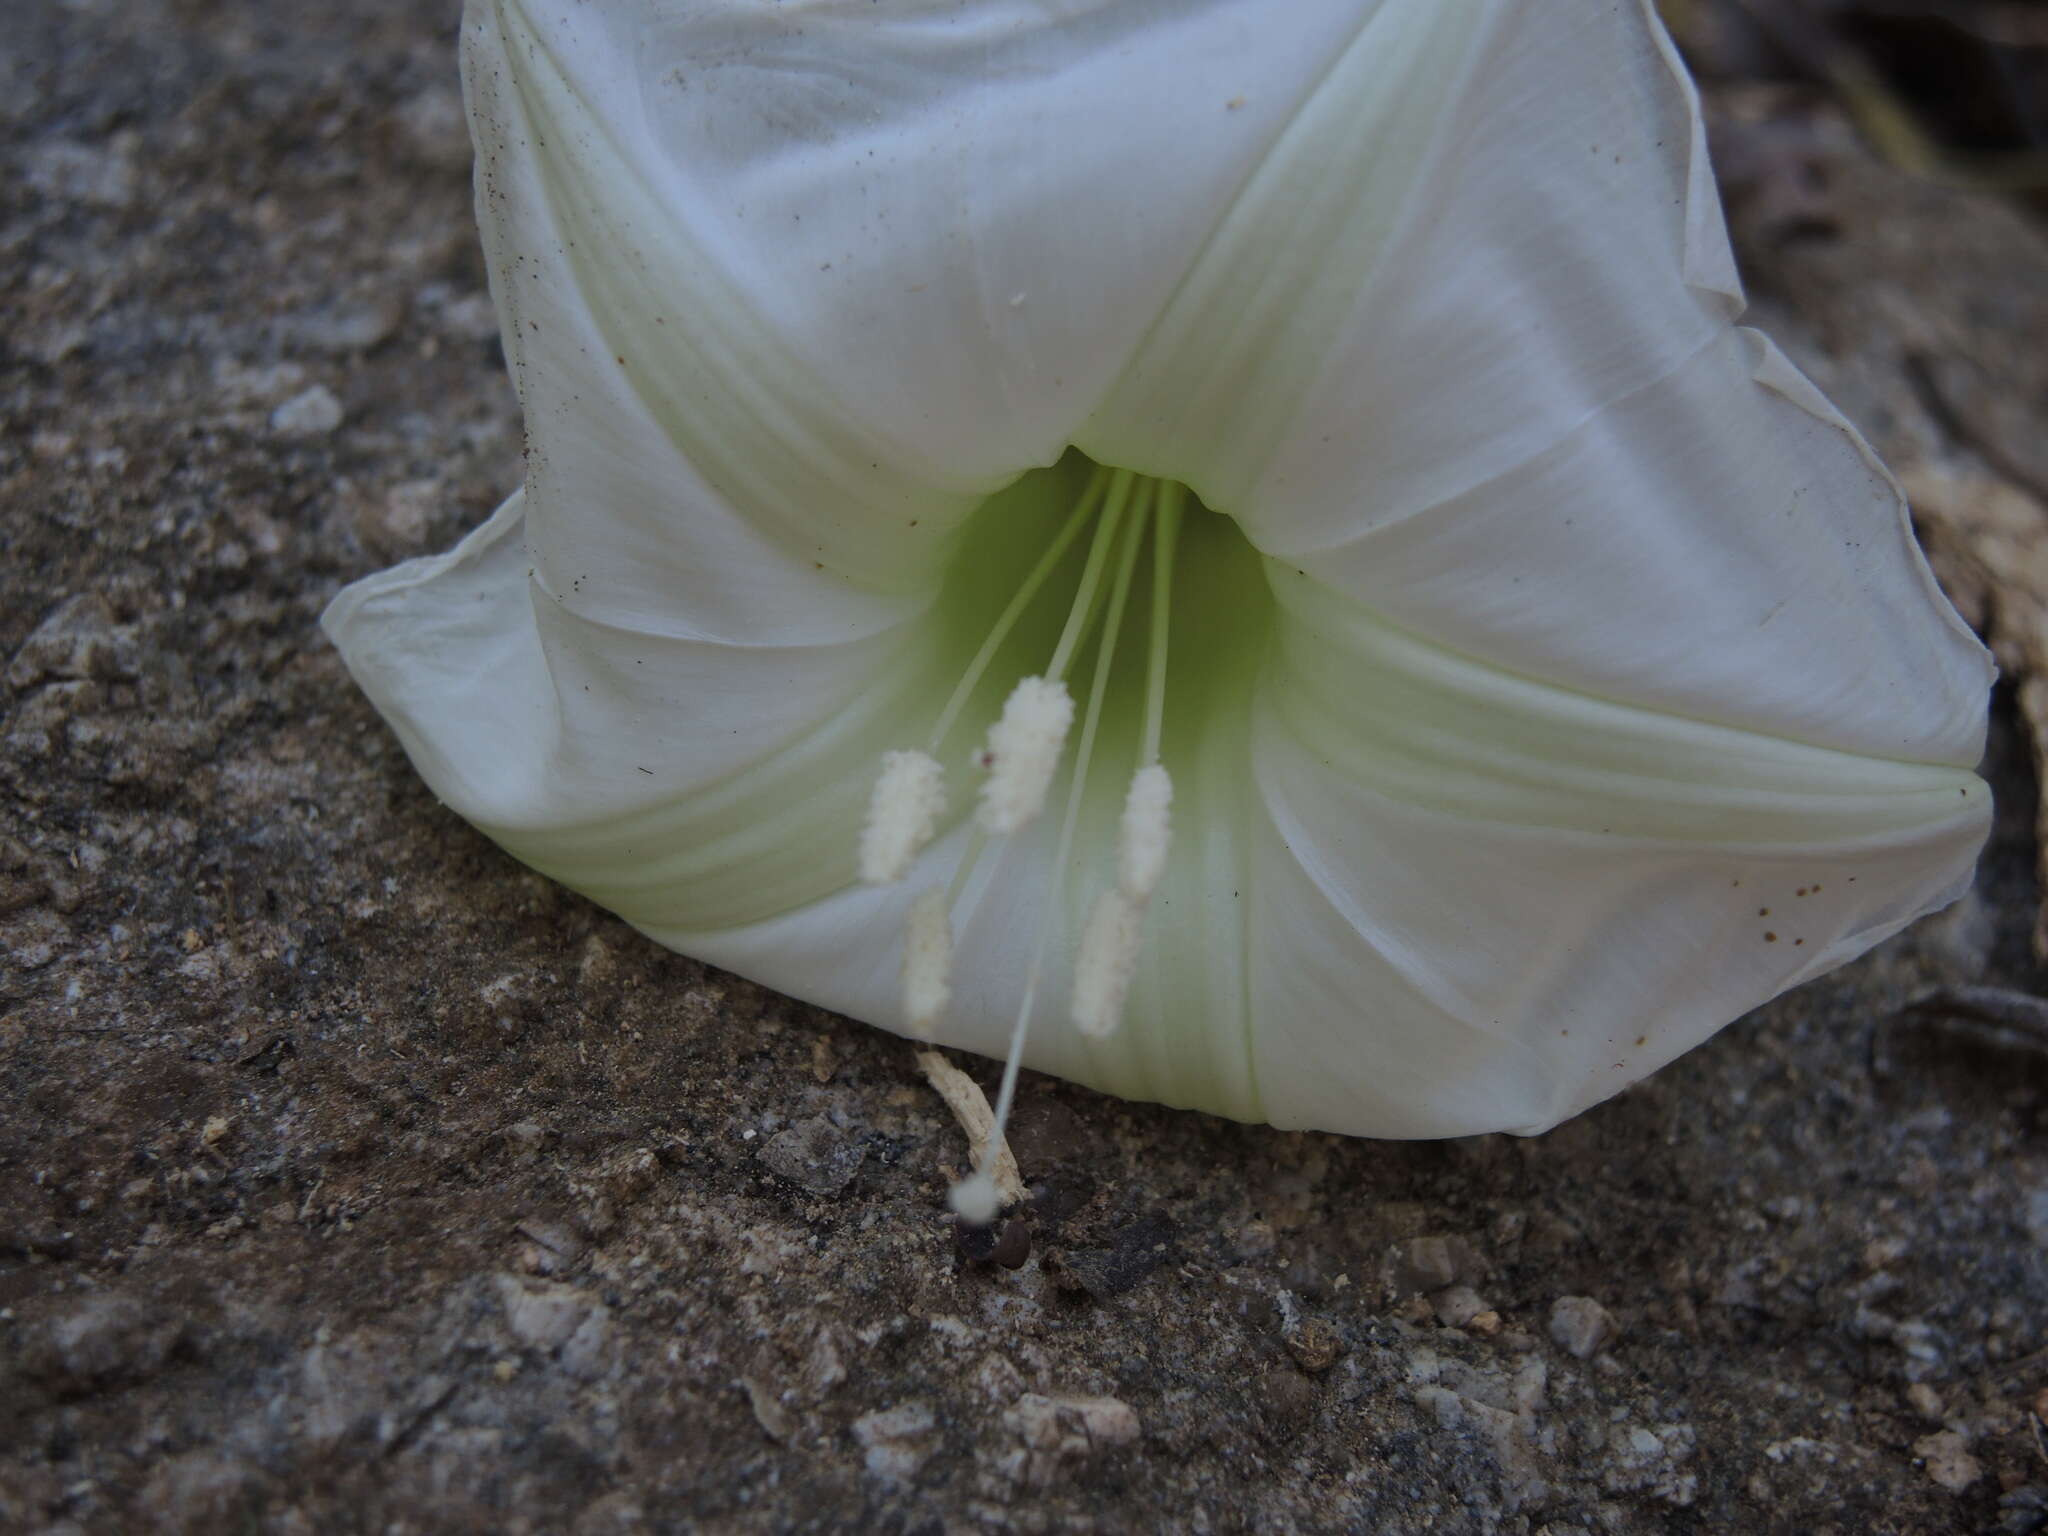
352,1178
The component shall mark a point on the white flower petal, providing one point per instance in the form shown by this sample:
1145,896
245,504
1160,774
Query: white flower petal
1484,902
1711,546
582,747
684,467
1423,973
941,195
1230,366
1581,631
1498,220
1488,386
678,779
1446,900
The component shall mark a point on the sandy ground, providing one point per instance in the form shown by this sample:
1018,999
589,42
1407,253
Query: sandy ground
352,1178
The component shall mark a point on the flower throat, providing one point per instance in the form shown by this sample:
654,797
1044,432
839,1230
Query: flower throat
1121,512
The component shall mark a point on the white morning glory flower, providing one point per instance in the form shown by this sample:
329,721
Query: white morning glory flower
1519,670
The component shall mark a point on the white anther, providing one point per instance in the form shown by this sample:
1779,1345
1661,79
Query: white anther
1142,838
1106,964
1023,751
927,961
974,1200
903,813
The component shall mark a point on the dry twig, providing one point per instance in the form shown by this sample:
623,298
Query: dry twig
970,1107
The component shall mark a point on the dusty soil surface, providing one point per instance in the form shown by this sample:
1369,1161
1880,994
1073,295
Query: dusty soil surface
351,1178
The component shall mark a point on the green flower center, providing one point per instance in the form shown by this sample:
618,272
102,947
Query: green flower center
1083,568
1060,551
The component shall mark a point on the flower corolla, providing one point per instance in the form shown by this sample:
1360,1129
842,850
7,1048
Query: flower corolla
1325,420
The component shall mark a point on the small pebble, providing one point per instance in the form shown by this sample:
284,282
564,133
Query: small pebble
815,1155
1458,1305
310,413
1254,1240
1313,1343
1429,1264
1580,1326
897,1441
1007,1243
1948,1460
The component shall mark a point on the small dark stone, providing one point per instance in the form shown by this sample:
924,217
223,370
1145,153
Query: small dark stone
1426,1264
814,1154
1013,1247
38,1237
1286,1402
268,1056
1314,1344
101,1339
1132,1253
974,1242
1007,1243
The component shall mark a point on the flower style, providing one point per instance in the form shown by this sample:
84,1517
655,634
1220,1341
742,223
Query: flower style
1320,427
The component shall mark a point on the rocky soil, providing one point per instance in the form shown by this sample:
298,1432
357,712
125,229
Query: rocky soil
352,1178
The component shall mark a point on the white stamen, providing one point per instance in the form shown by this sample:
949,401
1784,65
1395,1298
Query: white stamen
927,961
1106,964
903,814
1142,837
974,1200
1023,751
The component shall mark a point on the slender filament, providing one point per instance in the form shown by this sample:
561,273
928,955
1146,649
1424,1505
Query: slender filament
1165,534
1098,487
1098,688
1082,615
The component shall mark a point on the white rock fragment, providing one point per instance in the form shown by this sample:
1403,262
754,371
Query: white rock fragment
1101,1421
1529,1387
102,176
311,412
774,1419
1427,1264
544,1316
1948,1460
79,640
1457,1305
1510,1436
1641,1460
1058,1430
1580,1326
898,1441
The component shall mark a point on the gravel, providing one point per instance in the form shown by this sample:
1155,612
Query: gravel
354,1178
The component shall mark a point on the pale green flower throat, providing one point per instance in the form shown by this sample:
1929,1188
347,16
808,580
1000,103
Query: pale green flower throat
1122,513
